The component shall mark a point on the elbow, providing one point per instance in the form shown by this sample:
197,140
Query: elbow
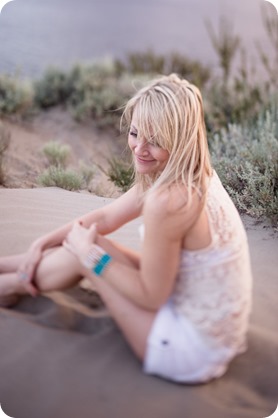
153,300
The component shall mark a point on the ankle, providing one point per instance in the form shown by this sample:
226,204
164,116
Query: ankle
10,284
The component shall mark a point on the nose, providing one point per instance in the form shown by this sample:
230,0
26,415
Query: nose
141,148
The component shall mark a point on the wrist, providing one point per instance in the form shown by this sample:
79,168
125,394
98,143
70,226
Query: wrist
96,260
38,245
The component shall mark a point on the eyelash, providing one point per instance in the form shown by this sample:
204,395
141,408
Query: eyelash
153,143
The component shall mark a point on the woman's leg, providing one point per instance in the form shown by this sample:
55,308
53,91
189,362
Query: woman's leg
59,269
134,321
10,263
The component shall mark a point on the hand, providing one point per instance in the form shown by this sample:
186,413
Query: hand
80,239
27,268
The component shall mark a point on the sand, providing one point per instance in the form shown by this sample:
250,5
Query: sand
61,364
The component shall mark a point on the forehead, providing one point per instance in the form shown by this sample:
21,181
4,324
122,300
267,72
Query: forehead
142,121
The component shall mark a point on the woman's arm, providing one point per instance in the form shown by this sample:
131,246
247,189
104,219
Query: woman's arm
150,285
109,218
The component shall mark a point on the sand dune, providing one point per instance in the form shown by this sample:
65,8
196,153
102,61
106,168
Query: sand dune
57,363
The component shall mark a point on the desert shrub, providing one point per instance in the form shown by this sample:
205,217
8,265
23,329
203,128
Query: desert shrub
120,172
238,96
225,43
87,173
52,89
97,93
151,63
240,103
60,177
16,96
4,144
270,60
246,159
57,154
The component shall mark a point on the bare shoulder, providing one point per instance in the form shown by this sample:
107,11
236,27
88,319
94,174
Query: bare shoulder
170,210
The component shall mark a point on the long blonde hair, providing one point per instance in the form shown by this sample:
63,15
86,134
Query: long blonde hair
170,111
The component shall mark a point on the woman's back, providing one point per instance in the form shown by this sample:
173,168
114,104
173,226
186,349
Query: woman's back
213,288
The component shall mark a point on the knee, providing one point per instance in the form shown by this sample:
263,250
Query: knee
57,270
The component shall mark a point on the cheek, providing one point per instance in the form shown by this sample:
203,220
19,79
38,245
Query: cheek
131,142
161,155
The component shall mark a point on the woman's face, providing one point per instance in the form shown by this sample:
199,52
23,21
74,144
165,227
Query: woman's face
149,157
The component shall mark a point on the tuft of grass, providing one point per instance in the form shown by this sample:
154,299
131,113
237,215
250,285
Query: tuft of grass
5,137
120,173
60,177
57,154
246,159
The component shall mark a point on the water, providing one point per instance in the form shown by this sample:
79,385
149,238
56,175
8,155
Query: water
35,34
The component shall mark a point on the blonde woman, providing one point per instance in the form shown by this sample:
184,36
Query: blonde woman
183,303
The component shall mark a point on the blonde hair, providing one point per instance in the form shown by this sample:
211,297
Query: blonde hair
170,112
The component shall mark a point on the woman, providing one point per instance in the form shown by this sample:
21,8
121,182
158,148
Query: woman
183,303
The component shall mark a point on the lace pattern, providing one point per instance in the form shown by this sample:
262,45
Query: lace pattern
213,288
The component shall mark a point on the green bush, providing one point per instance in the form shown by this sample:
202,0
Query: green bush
52,89
57,154
246,159
60,177
16,97
96,92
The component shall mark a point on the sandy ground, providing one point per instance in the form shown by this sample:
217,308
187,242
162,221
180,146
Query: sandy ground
60,363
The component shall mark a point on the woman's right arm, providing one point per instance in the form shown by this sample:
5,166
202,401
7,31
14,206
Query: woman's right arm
108,218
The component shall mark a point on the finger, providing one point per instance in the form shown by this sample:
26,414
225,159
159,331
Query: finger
77,225
31,289
23,275
67,246
92,232
26,282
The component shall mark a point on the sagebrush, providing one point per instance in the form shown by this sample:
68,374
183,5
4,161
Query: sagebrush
246,159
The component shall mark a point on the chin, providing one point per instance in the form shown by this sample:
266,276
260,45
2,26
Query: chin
144,170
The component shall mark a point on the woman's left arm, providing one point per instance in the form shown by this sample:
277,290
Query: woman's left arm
151,284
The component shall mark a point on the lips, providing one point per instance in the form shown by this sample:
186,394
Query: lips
141,160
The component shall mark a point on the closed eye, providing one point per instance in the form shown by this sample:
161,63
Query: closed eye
154,143
133,133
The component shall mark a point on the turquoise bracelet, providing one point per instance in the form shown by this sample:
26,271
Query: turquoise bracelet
102,264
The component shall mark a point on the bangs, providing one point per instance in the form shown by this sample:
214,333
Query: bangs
151,119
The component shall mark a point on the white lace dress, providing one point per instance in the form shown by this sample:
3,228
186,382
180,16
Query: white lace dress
212,296
214,285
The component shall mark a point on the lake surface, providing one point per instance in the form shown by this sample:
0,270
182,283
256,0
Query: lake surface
35,34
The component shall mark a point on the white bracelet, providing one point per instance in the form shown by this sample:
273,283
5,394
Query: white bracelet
93,257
